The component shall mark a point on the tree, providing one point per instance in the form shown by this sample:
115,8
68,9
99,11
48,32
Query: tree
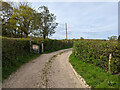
48,23
81,38
37,24
22,20
7,11
112,38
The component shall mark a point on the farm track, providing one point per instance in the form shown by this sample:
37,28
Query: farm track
50,70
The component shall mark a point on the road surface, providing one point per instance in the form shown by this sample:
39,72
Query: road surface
50,70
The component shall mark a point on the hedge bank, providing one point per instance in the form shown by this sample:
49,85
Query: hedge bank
95,76
97,52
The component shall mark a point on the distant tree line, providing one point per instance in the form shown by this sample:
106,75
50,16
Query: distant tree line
22,21
113,38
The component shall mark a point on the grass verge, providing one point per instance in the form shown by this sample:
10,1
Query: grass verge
93,75
13,66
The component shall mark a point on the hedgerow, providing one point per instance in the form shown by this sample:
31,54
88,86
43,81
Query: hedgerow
53,45
97,52
13,48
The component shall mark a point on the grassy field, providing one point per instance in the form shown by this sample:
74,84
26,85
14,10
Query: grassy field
93,75
12,68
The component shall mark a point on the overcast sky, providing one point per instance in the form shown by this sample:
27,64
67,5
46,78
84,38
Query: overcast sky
90,20
93,20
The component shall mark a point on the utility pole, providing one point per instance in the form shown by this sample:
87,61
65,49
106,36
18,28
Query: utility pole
66,30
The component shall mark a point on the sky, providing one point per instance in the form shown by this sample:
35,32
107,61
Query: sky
90,20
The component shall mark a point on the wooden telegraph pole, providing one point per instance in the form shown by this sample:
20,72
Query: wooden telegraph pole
66,30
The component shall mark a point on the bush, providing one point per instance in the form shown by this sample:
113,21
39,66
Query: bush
97,52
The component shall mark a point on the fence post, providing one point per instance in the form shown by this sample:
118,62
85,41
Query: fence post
42,48
109,63
38,50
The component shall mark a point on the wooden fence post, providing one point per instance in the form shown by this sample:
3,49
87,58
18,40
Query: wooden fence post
109,69
42,48
38,50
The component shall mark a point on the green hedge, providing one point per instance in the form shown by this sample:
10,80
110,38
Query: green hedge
51,45
54,45
13,48
97,52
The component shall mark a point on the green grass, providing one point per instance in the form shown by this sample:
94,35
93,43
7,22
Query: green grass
10,68
93,75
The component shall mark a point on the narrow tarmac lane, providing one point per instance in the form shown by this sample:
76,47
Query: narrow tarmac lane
50,70
60,74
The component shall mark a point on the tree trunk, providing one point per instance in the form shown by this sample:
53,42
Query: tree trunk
44,36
